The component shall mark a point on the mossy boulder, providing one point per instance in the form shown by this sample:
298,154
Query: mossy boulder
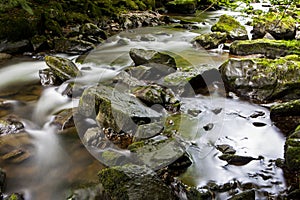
231,27
210,40
63,68
286,116
132,182
150,57
292,152
269,48
115,109
279,27
263,80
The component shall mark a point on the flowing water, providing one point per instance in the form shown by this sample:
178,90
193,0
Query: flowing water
53,162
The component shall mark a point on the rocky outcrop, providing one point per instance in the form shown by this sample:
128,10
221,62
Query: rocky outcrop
283,27
266,47
262,80
286,116
230,26
132,182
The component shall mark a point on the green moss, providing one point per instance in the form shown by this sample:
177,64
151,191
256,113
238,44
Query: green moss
290,108
132,147
293,157
114,181
297,129
13,197
227,24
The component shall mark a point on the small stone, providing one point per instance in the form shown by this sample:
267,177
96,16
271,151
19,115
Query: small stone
208,127
259,124
226,149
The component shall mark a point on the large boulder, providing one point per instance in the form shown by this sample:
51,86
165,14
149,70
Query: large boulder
286,116
63,68
115,109
279,27
132,182
210,40
269,48
231,27
263,80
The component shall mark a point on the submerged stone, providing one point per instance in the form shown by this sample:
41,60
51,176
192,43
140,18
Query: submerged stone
286,116
132,182
89,192
267,47
238,160
210,40
263,80
231,27
115,109
63,68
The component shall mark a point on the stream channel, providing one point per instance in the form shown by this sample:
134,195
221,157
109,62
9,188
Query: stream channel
52,163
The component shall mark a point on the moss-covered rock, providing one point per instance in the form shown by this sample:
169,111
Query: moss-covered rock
263,80
269,48
286,116
210,40
148,57
63,68
132,182
115,109
279,27
232,27
247,195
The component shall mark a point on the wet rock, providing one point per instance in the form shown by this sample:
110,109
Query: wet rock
181,164
192,82
232,159
89,192
93,137
159,152
208,127
283,28
115,109
10,125
48,78
184,7
2,180
144,57
226,149
63,68
134,182
259,124
155,94
5,56
149,73
286,116
247,195
90,29
257,114
231,27
64,119
262,80
72,45
269,48
15,47
195,194
210,40
146,131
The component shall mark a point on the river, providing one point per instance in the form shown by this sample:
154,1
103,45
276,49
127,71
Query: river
52,163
